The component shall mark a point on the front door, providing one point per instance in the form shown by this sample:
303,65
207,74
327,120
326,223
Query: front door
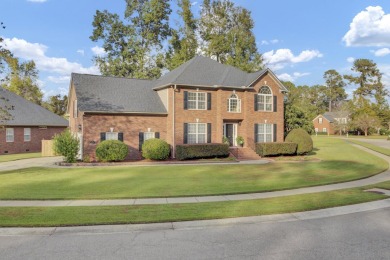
231,133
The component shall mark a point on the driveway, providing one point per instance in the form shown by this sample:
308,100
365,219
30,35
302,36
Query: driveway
33,162
378,142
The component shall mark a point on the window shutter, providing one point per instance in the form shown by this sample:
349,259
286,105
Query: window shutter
141,140
185,133
157,135
185,100
275,131
102,136
209,133
120,137
256,132
208,101
275,104
256,108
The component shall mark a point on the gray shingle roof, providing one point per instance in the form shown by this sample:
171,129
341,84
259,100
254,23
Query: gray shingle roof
114,94
26,113
330,116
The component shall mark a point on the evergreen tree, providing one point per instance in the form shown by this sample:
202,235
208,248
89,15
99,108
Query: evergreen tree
335,87
57,104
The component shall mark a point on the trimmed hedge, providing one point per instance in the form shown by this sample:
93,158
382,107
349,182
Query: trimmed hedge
111,151
302,138
275,149
201,151
155,149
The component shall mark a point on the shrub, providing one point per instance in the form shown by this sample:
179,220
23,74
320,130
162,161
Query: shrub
155,149
111,151
275,149
302,139
240,140
200,151
67,145
225,140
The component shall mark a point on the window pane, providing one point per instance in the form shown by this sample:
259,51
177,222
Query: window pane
148,135
9,135
202,128
191,128
27,134
201,138
111,136
191,138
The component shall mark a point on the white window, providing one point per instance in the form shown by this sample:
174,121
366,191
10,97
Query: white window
320,120
343,120
27,134
197,100
9,136
197,133
75,109
148,135
264,133
111,136
264,99
324,130
316,129
234,104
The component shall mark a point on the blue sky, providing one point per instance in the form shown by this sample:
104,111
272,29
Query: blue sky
299,39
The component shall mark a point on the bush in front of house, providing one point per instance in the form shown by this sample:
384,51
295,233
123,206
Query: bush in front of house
302,138
111,151
276,149
201,151
155,149
67,145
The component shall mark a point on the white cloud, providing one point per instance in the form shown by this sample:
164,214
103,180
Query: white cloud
370,27
59,79
37,1
381,52
265,42
81,52
385,69
350,59
194,3
280,58
37,52
293,77
98,51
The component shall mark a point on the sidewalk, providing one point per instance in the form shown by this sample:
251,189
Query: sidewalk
385,176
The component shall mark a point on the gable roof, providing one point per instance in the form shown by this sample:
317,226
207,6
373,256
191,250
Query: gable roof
113,94
26,113
202,71
331,116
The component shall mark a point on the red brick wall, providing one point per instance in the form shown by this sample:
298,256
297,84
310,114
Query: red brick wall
20,146
325,124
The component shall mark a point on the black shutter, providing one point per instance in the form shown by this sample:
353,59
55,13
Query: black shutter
157,135
185,100
185,133
120,137
141,140
208,101
102,136
209,133
275,131
256,108
275,104
256,129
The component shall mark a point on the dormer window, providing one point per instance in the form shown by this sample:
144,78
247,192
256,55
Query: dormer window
234,104
264,99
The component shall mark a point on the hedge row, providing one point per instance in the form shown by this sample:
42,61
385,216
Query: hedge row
200,151
275,149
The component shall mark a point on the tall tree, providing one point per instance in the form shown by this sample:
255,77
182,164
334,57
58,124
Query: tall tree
335,87
22,79
183,43
57,104
133,46
227,35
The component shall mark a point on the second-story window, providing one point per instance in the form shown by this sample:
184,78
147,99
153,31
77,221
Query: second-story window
197,100
234,104
264,100
320,120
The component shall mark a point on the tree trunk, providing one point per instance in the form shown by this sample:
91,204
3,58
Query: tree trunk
365,132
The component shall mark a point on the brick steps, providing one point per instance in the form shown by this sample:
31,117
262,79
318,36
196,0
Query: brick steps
244,153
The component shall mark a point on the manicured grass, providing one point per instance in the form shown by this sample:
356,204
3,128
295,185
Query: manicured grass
20,156
71,216
376,148
341,162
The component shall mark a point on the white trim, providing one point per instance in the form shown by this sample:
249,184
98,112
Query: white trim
197,94
197,133
265,132
235,130
9,134
27,134
238,110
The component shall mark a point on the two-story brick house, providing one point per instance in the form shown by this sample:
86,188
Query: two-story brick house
331,122
199,102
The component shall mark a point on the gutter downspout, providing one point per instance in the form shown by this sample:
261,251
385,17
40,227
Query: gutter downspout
173,123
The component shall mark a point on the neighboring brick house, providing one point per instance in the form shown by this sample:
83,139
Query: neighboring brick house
199,102
331,122
28,126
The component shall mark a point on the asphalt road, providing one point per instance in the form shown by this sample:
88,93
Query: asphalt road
364,235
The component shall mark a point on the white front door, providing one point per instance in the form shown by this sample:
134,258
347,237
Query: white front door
230,131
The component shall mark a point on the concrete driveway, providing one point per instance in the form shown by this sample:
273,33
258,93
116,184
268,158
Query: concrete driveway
378,142
33,162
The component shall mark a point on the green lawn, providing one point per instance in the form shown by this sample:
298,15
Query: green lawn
376,148
72,216
14,157
340,162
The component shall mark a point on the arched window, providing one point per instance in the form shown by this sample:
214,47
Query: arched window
264,100
234,104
